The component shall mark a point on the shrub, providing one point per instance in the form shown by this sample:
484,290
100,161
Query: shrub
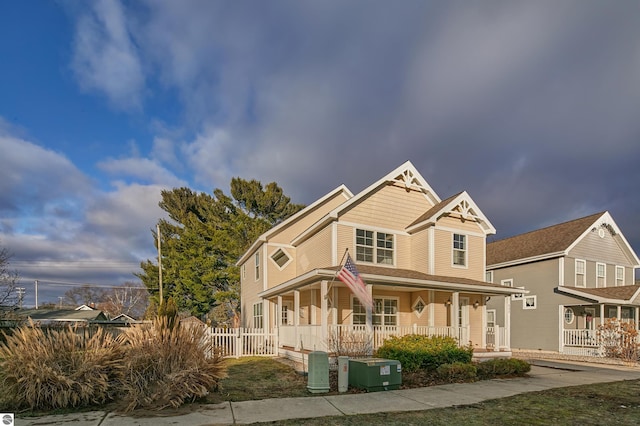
354,344
166,364
457,372
417,352
502,367
58,369
619,340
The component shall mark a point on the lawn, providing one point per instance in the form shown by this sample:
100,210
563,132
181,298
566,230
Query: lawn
607,403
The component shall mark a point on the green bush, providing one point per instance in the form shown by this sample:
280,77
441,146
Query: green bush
58,369
457,372
503,367
417,352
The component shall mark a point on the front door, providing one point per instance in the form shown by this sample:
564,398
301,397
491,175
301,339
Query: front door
463,320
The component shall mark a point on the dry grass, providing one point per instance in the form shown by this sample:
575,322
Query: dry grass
57,369
167,365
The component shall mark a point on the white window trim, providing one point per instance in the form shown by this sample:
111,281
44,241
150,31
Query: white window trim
584,274
261,314
466,250
373,314
375,246
415,303
573,316
284,265
256,262
494,317
619,268
503,283
604,277
518,296
490,275
535,302
243,271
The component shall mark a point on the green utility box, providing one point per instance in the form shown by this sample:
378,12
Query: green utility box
318,380
375,374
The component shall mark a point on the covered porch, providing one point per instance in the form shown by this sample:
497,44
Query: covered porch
318,312
580,322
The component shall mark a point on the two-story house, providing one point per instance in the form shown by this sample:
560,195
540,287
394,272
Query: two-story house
577,274
422,259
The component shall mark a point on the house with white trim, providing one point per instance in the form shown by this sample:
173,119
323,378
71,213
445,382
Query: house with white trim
422,259
577,274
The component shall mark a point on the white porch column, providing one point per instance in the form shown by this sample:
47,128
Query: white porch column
370,318
635,318
432,308
455,308
619,313
296,317
266,309
507,321
561,328
324,311
483,341
602,314
334,308
279,312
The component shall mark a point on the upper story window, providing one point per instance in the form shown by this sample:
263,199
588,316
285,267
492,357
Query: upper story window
243,271
580,267
280,258
507,283
257,258
488,277
459,250
381,252
619,276
257,315
601,275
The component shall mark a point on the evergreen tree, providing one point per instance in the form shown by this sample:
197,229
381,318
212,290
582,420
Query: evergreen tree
204,238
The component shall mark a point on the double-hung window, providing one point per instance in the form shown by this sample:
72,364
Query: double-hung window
601,275
619,276
580,267
385,312
374,247
257,315
257,259
459,250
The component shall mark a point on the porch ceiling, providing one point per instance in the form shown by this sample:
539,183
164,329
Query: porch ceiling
401,279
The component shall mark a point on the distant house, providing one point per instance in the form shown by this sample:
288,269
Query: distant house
124,318
45,316
577,274
422,259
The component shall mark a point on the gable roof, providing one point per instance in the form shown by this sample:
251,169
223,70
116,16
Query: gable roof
553,241
63,315
406,174
460,203
547,242
340,190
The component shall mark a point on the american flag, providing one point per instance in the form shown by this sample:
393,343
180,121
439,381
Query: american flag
350,276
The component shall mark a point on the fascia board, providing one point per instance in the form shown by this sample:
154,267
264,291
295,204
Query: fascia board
517,262
597,299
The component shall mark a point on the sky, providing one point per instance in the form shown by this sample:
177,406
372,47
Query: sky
532,107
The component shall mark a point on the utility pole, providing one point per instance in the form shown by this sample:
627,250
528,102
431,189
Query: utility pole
20,291
159,263
36,294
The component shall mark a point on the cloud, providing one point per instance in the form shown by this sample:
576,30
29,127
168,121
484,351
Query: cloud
141,170
105,56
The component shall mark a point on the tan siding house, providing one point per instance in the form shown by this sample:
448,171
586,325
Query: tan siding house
422,259
576,275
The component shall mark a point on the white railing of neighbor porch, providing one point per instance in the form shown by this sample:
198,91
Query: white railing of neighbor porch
497,338
581,343
237,342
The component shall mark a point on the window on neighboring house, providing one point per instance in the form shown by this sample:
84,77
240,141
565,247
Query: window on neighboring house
517,296
385,312
257,258
491,318
507,283
619,276
488,277
459,250
601,275
580,267
257,315
280,258
529,302
243,271
381,252
568,315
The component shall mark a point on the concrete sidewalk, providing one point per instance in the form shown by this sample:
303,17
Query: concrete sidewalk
544,375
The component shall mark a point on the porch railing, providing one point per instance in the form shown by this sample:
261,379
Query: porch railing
497,338
237,342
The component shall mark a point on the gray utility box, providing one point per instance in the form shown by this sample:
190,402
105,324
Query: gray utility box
318,379
375,374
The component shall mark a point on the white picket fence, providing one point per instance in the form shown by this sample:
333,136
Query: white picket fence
237,342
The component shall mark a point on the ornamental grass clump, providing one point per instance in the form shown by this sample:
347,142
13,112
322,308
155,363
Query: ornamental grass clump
166,364
58,368
416,352
501,367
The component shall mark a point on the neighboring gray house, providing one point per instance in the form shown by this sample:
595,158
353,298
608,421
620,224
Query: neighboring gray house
574,275
47,316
